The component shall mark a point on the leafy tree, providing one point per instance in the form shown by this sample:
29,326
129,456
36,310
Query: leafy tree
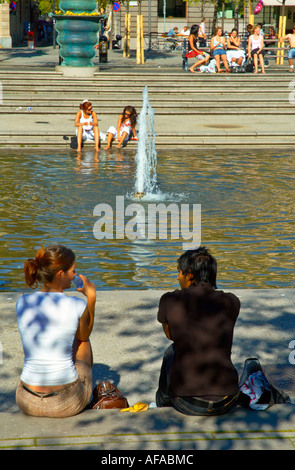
46,6
237,6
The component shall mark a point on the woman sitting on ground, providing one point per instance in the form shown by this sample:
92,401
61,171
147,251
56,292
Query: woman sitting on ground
56,379
217,47
255,48
87,125
193,51
125,128
235,55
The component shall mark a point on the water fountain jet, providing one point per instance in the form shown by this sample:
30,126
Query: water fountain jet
146,157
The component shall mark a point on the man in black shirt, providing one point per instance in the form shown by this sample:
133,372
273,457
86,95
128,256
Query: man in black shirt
197,375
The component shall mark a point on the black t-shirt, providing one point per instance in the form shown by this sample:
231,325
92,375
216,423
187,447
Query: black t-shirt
201,321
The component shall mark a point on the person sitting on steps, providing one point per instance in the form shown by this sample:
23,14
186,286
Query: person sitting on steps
201,56
87,125
291,52
217,46
125,128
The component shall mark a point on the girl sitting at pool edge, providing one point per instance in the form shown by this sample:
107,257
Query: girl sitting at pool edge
125,128
56,380
87,124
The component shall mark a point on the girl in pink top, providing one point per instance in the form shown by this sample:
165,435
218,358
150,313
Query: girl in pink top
255,49
125,127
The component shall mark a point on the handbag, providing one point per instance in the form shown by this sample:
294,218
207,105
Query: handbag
256,389
249,66
106,396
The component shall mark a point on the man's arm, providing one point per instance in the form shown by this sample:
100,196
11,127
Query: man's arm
284,38
166,330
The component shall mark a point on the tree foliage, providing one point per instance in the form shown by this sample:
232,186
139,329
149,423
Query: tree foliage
46,6
237,6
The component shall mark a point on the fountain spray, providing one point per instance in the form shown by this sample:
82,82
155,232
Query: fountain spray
146,157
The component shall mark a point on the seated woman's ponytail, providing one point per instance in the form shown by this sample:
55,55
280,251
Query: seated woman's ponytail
46,264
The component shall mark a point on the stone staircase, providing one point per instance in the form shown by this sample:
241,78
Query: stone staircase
191,110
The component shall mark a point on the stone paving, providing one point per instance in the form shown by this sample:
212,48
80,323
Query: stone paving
128,345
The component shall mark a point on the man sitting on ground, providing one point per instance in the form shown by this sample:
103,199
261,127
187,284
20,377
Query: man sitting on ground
197,375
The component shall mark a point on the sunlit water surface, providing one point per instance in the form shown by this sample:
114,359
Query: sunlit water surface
247,206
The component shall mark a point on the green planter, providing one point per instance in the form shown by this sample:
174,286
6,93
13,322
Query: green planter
77,35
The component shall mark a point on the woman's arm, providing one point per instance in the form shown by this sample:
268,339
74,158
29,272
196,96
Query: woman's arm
216,45
249,46
95,121
87,319
236,42
134,132
211,44
191,43
77,123
229,46
119,125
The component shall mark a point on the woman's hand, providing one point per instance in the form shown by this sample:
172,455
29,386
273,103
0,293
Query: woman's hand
88,288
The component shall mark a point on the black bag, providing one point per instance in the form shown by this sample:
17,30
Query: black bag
270,396
74,142
249,66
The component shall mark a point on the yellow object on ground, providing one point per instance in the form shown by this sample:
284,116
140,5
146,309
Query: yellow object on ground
137,407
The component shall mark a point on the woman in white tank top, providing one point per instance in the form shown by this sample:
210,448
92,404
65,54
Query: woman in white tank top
87,125
255,49
56,380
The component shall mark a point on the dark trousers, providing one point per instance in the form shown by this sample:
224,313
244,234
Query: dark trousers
188,405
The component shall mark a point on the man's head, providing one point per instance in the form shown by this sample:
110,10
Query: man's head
197,266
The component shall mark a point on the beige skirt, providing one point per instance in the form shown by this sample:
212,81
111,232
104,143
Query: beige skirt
69,401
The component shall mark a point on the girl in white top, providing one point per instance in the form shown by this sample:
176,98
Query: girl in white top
235,54
125,125
87,125
56,380
255,49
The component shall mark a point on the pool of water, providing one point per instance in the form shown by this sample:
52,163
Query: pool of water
247,210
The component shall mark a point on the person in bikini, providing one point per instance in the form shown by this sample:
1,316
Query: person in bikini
87,125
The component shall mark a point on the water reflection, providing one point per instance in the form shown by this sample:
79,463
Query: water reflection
247,214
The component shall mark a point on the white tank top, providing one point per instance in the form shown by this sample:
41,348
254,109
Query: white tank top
83,119
255,44
47,322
